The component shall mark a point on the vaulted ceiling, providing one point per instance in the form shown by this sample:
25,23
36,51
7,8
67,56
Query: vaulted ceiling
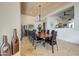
32,8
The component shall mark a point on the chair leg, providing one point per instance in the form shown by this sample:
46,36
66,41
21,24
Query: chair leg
33,42
52,49
35,45
57,47
44,44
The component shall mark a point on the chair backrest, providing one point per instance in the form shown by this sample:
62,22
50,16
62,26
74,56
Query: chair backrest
44,31
48,31
33,34
55,35
54,38
52,32
28,33
23,32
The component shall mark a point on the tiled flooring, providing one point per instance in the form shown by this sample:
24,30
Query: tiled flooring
64,49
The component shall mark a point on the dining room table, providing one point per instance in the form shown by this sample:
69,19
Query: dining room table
43,35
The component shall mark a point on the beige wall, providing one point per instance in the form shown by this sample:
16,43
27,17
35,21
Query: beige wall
9,19
26,19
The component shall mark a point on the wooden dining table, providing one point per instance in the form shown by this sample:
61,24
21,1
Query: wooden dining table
43,35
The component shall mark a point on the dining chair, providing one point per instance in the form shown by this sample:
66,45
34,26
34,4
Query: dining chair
29,34
52,40
33,36
48,31
38,39
23,31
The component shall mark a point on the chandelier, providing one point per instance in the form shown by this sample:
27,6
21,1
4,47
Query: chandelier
39,13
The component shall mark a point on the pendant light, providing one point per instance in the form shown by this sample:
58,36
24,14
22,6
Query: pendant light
39,13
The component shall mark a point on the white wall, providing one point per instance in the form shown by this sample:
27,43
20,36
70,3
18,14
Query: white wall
9,19
69,34
51,20
76,16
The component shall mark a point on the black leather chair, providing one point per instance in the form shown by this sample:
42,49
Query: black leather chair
48,31
52,40
22,31
29,34
33,36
